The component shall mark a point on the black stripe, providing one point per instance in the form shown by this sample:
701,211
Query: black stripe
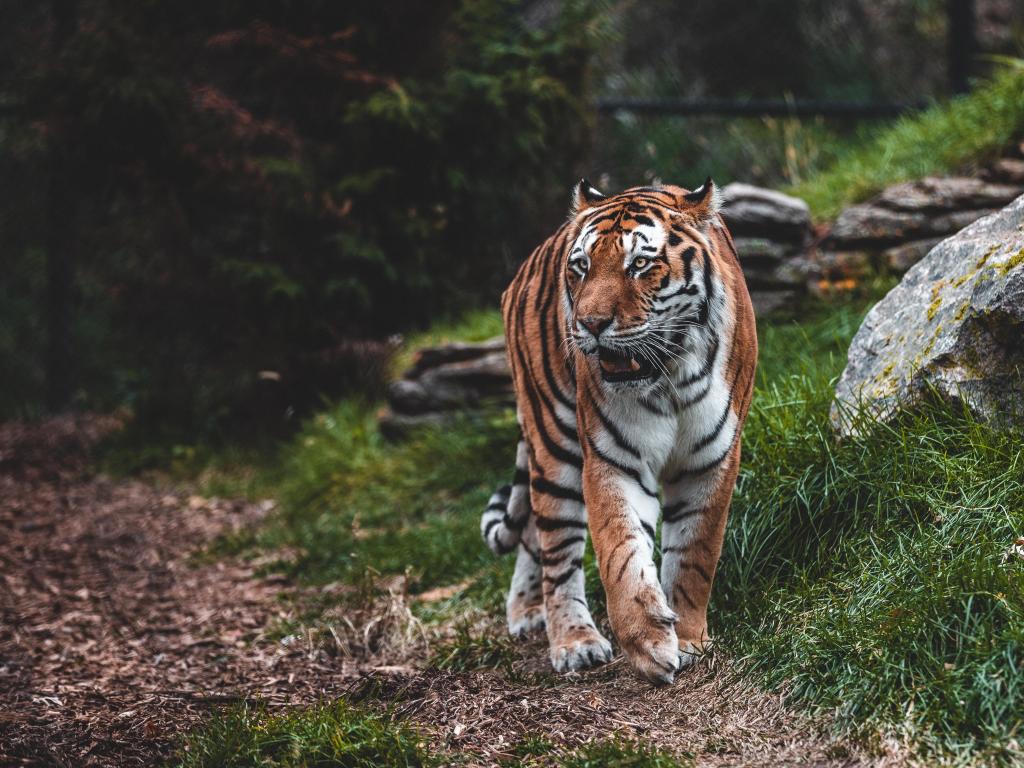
502,548
548,488
706,467
625,563
550,560
709,286
709,438
689,290
536,398
545,261
533,555
648,529
490,526
640,218
624,468
521,477
653,408
498,506
688,255
673,513
695,567
604,217
574,566
568,541
685,596
709,364
696,398
545,357
617,436
514,524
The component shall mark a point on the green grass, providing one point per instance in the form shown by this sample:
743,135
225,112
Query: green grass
622,754
470,650
351,500
866,577
336,735
341,735
946,136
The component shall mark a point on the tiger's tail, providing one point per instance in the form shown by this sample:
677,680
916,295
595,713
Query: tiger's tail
507,513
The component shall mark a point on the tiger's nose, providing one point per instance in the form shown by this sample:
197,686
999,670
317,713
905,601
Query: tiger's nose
595,324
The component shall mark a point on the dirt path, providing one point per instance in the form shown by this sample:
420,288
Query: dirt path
113,641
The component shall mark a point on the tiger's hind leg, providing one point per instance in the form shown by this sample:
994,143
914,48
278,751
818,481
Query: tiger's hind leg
508,524
525,604
561,520
693,525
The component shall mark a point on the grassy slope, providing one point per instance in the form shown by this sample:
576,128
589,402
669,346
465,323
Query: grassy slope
946,136
869,577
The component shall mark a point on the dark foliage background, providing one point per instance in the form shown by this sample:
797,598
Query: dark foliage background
255,194
218,212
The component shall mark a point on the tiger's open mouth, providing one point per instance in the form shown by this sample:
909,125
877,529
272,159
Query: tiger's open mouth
619,366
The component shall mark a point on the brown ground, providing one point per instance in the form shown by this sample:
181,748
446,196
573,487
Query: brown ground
114,640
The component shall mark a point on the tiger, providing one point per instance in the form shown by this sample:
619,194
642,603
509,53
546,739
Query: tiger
632,347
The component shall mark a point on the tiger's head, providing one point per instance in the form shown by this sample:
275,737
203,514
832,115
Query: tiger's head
639,277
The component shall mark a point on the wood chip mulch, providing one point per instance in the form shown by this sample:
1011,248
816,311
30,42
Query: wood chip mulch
112,640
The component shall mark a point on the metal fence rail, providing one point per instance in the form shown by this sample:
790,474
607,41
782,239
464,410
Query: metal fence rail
759,107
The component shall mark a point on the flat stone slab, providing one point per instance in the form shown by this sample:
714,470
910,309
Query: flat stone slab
952,193
751,211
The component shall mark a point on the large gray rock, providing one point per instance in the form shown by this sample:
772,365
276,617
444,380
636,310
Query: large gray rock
953,327
764,213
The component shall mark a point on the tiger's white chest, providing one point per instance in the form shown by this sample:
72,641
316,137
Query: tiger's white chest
698,423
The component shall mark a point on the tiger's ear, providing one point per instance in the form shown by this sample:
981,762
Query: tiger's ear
584,196
703,203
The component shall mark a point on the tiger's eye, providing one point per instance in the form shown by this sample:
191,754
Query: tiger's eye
639,263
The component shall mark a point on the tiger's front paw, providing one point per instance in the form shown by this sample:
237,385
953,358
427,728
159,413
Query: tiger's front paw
654,654
647,633
582,649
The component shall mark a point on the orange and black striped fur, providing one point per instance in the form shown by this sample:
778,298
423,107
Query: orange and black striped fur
632,345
